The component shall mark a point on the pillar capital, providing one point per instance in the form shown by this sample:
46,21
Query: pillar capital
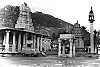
7,31
70,40
41,36
59,40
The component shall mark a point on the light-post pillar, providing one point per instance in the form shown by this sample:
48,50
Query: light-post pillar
91,38
91,20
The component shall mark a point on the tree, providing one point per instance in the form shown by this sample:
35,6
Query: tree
86,36
9,15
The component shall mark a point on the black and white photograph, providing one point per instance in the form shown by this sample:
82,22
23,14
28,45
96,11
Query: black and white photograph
49,33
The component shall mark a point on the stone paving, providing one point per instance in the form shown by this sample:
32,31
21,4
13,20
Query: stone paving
48,62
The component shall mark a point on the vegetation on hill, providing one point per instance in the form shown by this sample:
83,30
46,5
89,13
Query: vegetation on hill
51,25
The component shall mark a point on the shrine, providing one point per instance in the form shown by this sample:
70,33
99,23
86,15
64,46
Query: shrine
70,45
66,45
78,40
13,40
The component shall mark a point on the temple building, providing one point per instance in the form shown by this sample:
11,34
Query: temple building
13,40
70,44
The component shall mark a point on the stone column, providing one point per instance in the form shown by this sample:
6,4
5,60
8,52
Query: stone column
24,40
4,41
19,43
63,49
26,36
7,42
14,43
73,49
38,44
91,38
34,41
71,43
59,50
41,44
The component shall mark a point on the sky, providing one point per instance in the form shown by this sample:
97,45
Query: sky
67,10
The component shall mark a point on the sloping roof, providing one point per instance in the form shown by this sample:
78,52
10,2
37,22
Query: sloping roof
22,30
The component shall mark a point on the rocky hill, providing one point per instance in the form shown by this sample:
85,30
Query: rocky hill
47,24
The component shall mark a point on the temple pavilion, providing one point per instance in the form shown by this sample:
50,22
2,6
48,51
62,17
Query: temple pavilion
71,44
22,35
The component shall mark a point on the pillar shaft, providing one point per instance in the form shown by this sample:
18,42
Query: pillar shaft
24,40
71,44
41,44
91,38
63,49
14,43
26,36
19,43
74,49
59,51
38,44
7,42
4,41
34,41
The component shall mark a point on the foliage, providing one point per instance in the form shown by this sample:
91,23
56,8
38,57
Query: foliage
9,15
86,36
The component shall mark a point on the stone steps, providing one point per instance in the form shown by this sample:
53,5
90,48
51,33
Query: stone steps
51,53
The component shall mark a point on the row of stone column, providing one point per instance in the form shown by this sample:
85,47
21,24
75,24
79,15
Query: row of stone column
36,40
6,42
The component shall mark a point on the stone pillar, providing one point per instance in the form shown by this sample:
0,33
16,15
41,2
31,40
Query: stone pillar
14,43
59,50
7,42
4,41
24,40
19,43
38,44
26,36
34,41
63,49
41,44
73,49
71,44
91,38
